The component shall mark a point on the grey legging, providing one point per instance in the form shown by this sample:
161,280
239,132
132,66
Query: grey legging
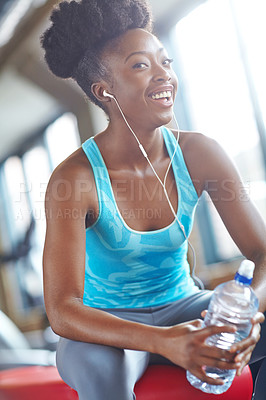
100,372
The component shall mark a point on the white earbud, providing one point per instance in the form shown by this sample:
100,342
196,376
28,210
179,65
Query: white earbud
108,94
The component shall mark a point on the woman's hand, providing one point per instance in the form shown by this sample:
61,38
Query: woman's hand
185,345
245,347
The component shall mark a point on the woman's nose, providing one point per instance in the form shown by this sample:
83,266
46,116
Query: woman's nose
160,74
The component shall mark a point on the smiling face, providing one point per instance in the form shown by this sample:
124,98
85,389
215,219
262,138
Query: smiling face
141,78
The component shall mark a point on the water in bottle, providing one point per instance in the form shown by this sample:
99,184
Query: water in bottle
234,303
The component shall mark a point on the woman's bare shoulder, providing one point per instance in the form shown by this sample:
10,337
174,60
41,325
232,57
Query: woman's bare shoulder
204,157
72,178
75,166
192,141
197,147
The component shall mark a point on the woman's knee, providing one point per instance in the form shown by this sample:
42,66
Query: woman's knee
95,370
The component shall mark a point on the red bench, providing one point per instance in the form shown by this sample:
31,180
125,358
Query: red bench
160,382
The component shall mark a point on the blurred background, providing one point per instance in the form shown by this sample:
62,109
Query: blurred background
218,50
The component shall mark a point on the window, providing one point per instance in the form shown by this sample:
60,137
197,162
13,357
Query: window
37,173
23,182
17,207
222,74
62,138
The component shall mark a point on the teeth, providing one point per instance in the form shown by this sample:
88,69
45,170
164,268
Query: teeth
161,95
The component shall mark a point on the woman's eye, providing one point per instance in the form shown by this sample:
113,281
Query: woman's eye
139,66
168,61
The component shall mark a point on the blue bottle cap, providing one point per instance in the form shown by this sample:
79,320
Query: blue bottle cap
243,279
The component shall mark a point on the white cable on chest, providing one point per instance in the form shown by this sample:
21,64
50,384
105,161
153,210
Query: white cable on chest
163,183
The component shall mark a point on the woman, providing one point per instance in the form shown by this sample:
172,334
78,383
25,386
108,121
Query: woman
116,279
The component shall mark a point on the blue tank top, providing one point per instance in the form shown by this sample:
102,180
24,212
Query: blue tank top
125,268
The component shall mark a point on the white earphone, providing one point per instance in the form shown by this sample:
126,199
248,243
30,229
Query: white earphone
106,94
163,184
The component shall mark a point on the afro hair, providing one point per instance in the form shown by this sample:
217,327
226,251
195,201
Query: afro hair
81,29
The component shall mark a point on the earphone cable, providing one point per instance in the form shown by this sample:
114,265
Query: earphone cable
163,184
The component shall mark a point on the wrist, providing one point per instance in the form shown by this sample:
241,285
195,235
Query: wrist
158,342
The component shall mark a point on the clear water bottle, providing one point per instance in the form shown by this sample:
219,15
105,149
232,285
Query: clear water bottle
234,303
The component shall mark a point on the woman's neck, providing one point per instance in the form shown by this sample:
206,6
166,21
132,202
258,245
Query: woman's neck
118,144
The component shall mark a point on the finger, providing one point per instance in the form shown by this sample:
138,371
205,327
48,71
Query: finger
258,318
255,330
252,339
215,330
218,363
243,358
216,352
243,355
196,323
203,313
244,344
244,362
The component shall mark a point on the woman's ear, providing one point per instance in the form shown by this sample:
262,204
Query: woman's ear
98,90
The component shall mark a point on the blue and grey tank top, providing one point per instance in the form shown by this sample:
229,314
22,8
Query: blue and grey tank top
125,268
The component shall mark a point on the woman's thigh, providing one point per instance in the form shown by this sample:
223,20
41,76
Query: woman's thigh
183,310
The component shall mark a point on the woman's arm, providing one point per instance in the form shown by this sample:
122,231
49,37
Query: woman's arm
212,170
70,194
240,216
